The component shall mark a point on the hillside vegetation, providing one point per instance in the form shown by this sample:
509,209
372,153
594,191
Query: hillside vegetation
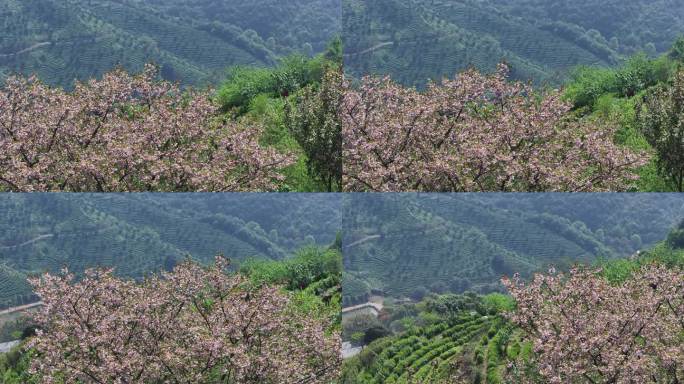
192,41
140,234
469,338
642,97
417,40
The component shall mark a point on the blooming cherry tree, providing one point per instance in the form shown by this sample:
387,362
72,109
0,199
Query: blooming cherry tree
586,330
127,133
191,325
475,133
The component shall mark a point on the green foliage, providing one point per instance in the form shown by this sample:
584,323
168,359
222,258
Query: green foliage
617,97
588,84
450,305
499,302
243,85
313,120
660,115
617,271
295,103
307,266
293,72
14,367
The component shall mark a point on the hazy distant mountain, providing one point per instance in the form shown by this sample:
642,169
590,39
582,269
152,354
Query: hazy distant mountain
143,233
399,242
192,40
417,40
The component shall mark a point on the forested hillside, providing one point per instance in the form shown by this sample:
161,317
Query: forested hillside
192,41
406,245
417,40
139,234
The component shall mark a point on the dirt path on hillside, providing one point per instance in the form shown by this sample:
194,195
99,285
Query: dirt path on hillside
41,237
365,239
371,49
26,50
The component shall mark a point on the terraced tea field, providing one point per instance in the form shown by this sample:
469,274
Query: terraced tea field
471,347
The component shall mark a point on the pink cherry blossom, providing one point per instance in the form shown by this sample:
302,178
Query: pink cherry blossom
475,133
586,330
191,325
127,133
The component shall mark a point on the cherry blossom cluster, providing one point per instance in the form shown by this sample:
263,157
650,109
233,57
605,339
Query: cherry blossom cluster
475,133
586,330
192,325
127,133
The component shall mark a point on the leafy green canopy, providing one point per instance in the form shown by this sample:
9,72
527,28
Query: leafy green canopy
296,102
588,84
309,265
245,83
624,97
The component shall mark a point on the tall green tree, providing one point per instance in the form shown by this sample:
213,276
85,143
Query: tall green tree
677,51
660,115
313,120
